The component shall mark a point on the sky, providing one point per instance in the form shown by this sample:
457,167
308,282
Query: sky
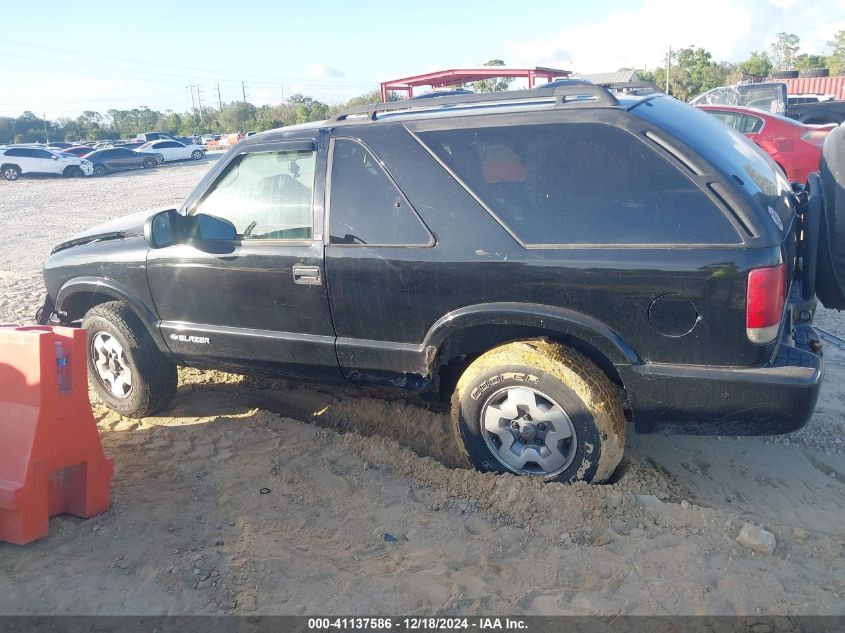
61,58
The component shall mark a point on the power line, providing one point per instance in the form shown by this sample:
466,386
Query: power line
185,70
124,99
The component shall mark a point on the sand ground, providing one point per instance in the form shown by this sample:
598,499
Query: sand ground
368,508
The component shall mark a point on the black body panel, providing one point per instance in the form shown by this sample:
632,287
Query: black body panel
665,321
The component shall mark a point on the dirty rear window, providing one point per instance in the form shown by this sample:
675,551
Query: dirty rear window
580,183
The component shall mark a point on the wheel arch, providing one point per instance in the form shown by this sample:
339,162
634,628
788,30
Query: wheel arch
463,334
77,296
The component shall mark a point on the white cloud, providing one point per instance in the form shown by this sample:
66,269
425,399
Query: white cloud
640,37
323,72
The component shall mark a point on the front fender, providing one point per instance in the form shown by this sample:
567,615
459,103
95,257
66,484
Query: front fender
115,291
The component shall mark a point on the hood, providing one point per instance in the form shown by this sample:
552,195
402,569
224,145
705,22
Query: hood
131,225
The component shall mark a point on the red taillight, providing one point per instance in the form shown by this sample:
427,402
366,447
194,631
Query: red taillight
764,303
815,137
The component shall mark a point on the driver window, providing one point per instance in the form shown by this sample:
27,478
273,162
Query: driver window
266,195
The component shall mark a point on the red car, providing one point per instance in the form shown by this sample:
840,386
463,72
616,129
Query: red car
78,150
796,147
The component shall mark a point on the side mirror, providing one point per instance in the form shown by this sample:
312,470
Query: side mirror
163,229
167,228
55,157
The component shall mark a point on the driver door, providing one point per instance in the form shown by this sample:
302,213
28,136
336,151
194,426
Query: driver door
257,303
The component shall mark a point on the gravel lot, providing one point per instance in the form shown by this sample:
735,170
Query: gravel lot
371,509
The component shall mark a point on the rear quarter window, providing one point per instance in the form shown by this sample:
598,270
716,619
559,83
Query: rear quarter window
580,183
739,158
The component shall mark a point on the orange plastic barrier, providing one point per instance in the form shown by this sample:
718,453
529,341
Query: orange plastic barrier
51,458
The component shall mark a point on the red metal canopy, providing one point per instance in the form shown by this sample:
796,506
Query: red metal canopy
459,76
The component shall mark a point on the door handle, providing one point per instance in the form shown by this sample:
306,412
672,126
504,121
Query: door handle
306,275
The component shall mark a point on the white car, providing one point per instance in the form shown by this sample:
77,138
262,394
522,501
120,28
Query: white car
173,150
15,161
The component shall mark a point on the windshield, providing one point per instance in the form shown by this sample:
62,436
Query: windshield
768,97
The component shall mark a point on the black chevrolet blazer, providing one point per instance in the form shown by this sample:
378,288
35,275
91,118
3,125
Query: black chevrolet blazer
559,263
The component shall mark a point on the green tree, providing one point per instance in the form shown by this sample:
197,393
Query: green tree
785,50
805,61
758,65
694,72
368,98
7,130
496,84
237,116
836,60
307,109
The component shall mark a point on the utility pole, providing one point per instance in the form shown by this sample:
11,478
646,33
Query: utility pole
199,101
243,90
46,133
668,68
219,100
283,93
193,105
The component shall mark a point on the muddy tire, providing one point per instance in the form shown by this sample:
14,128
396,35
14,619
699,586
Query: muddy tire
125,367
539,409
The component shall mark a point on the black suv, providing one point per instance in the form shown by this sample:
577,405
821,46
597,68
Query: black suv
559,263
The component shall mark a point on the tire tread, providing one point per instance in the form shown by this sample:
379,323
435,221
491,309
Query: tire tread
159,377
598,393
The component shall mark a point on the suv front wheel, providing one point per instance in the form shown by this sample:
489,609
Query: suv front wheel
539,409
125,367
11,172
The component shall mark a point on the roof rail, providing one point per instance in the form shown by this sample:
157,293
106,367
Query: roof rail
575,94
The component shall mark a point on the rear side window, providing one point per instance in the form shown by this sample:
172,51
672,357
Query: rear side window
366,207
742,123
585,183
731,152
28,152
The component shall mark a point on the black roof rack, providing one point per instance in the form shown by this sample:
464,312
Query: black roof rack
575,94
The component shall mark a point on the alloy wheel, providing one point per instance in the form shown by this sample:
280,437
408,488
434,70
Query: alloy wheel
111,364
528,432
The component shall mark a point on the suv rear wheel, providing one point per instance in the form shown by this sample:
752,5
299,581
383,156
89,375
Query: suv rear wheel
540,409
125,367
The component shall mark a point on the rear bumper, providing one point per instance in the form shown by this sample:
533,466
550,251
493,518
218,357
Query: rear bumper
700,400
